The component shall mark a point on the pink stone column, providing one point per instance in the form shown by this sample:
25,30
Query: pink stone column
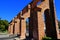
40,26
23,29
11,28
17,26
57,27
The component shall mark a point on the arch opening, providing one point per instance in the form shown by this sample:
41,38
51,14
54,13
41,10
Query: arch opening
47,20
27,26
50,30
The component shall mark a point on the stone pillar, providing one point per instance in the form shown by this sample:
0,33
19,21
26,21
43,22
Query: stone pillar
36,25
40,25
11,28
23,29
30,28
17,26
57,27
53,30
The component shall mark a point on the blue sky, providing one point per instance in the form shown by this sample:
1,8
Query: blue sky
10,8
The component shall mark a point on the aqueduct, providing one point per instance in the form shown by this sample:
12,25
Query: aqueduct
40,16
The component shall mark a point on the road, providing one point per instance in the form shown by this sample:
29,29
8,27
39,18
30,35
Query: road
6,37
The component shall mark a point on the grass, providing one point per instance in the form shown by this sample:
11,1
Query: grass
48,38
4,32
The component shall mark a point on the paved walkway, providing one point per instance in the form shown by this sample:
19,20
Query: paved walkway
7,37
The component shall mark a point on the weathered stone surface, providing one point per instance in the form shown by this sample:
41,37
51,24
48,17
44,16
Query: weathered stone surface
40,16
17,26
23,29
41,30
11,27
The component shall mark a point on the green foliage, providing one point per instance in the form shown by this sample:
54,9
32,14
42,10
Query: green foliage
48,38
3,25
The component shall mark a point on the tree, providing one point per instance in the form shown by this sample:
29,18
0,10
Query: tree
4,25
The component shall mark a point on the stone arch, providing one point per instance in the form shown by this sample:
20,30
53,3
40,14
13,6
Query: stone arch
36,23
23,23
27,26
50,27
47,21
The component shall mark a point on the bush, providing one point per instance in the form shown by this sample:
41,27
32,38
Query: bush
3,25
2,28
